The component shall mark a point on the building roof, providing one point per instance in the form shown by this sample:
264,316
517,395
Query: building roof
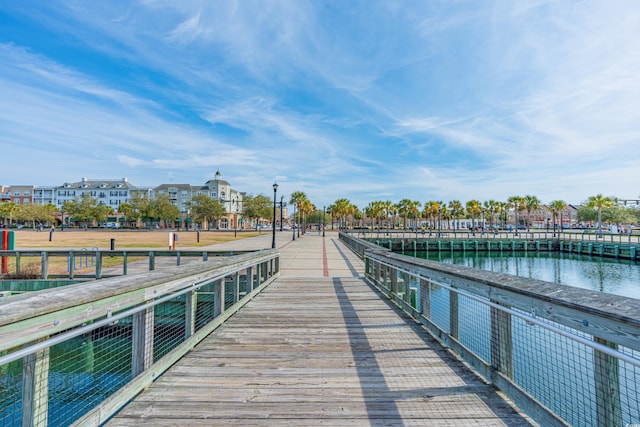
88,184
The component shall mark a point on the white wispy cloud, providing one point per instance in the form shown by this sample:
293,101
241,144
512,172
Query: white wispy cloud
415,99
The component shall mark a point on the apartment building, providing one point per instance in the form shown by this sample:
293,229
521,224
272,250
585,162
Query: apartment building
107,192
21,194
216,188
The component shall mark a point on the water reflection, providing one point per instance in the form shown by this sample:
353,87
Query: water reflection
620,277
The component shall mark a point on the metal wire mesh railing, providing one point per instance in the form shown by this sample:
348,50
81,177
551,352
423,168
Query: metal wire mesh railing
99,343
571,359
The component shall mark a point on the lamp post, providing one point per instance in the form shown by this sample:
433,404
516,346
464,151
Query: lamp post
324,223
281,219
273,226
294,222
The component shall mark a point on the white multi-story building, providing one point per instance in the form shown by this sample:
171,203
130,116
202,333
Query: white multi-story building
44,196
107,192
216,188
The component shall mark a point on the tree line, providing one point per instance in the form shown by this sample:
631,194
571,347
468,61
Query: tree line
406,213
86,211
412,213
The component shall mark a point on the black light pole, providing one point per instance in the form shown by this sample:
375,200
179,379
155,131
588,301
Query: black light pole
294,222
281,219
324,225
273,226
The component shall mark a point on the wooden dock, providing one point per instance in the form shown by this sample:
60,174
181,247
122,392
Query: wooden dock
314,351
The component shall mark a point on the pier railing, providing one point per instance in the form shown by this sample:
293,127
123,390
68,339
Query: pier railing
88,263
77,354
564,355
587,235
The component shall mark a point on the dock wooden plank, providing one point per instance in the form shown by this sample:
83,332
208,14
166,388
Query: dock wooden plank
320,351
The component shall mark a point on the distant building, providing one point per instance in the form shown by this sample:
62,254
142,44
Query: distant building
5,194
107,192
21,194
216,188
44,195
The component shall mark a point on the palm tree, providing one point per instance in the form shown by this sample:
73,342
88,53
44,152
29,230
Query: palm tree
341,210
502,209
388,208
491,207
297,197
474,207
557,206
456,210
445,215
531,203
517,202
431,209
414,211
600,202
403,208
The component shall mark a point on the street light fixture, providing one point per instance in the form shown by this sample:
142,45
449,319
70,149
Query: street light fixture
273,225
281,204
324,223
294,222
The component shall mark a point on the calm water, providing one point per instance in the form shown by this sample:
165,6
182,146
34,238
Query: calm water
544,363
618,277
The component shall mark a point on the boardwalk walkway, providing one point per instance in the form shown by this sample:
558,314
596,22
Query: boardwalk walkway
318,347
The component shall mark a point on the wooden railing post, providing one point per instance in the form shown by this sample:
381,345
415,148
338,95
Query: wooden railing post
394,280
236,287
35,388
425,299
72,263
190,306
501,342
454,315
250,278
607,383
407,288
45,265
218,297
142,341
98,265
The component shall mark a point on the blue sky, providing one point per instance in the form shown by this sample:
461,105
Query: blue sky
367,100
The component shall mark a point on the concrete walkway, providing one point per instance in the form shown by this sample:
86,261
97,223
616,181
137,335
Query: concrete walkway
310,255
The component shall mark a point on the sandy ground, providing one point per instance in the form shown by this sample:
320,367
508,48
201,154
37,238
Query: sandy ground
29,239
101,239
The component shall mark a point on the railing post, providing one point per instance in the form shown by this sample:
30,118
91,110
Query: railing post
178,259
454,315
190,306
425,298
124,263
72,263
218,297
236,287
98,265
250,278
407,288
394,281
35,388
501,342
607,382
152,261
142,341
45,265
